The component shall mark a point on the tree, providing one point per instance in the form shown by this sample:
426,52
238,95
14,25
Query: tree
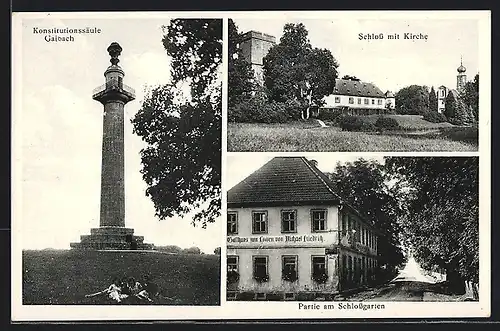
181,163
354,78
364,185
217,250
471,97
294,70
240,73
412,100
442,213
433,101
456,110
192,250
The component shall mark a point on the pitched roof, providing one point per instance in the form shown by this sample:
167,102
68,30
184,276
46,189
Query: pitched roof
287,181
357,88
283,181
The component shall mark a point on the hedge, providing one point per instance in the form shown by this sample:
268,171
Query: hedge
260,111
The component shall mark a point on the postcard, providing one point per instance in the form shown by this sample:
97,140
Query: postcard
250,165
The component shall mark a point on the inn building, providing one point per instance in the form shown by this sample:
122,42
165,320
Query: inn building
290,236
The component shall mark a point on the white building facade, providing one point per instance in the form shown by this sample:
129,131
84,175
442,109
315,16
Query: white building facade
357,97
295,248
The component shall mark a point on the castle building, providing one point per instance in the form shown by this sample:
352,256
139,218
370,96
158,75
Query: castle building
443,91
254,47
291,237
357,97
350,96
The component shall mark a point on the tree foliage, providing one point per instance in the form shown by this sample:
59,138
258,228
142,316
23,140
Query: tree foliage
433,101
364,185
240,73
442,212
181,163
456,110
471,97
294,70
412,100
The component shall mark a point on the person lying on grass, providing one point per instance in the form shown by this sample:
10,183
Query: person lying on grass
114,291
128,288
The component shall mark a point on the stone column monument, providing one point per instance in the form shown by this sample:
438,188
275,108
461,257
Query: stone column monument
112,233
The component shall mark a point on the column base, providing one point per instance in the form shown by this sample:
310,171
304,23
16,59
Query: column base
111,238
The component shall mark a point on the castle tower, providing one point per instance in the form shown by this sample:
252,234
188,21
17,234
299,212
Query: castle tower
112,233
254,47
461,77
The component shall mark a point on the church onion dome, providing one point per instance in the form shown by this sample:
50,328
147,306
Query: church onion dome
389,94
461,69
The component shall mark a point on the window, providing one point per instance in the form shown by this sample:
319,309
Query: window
232,263
232,269
367,102
319,273
351,100
289,268
318,220
232,223
259,222
288,221
344,223
373,101
359,101
379,102
337,99
260,268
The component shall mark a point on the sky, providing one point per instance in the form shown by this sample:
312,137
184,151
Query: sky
241,165
390,64
59,129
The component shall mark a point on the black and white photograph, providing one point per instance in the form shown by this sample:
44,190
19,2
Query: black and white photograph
343,228
229,166
117,154
347,84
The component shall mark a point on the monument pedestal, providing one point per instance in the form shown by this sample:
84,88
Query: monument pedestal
110,238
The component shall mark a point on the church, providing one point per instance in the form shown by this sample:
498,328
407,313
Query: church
349,96
290,236
442,91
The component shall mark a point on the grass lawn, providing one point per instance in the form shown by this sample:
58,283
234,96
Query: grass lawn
256,137
64,277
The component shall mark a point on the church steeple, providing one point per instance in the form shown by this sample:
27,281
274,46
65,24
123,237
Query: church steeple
461,77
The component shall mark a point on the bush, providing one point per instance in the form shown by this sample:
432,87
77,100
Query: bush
355,123
329,115
169,249
386,123
434,117
259,110
191,250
